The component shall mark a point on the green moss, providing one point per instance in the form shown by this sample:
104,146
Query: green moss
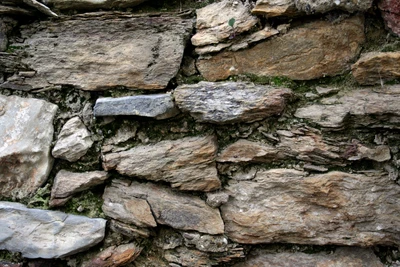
87,203
13,257
41,198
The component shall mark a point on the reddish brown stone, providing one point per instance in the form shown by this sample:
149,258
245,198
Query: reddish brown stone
391,14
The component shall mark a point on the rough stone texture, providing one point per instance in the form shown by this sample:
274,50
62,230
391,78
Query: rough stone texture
9,62
307,52
73,141
377,67
114,256
229,102
275,8
46,234
175,209
360,108
217,198
212,21
391,14
187,163
26,134
285,205
92,4
158,106
67,183
343,256
122,50
206,243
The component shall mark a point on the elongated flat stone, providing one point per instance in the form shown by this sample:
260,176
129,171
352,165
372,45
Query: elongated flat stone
46,234
187,163
26,133
285,205
121,50
93,4
307,52
158,106
229,102
176,209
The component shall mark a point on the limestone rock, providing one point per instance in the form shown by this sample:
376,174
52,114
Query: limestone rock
46,234
360,108
26,134
229,102
73,141
307,52
172,208
121,50
287,206
391,14
343,256
67,183
187,163
377,67
92,4
212,21
114,256
158,106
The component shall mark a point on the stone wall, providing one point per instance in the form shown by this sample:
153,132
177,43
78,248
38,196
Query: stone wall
199,133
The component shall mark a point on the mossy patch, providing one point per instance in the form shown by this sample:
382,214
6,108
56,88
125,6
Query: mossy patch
87,203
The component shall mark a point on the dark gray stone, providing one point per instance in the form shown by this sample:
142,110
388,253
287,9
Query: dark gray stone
158,106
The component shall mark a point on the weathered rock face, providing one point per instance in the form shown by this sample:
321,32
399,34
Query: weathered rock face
229,102
93,4
343,256
122,50
158,106
26,134
115,256
275,8
212,21
67,183
168,207
73,141
391,14
308,52
46,234
187,163
376,68
283,205
361,107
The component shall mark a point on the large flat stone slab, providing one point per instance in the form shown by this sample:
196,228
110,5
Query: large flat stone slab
26,134
187,163
46,234
372,107
229,102
285,205
172,208
97,51
307,52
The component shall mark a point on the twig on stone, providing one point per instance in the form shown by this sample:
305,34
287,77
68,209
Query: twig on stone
41,7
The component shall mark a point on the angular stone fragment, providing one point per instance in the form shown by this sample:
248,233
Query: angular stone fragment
114,256
229,102
187,163
284,205
343,256
275,8
391,14
73,141
217,198
206,243
122,50
46,234
67,183
361,108
93,4
158,106
377,67
212,21
178,210
26,133
379,153
307,52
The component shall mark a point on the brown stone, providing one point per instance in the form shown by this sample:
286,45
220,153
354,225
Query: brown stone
307,52
229,102
275,8
114,256
377,67
96,51
187,163
284,205
343,256
172,208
